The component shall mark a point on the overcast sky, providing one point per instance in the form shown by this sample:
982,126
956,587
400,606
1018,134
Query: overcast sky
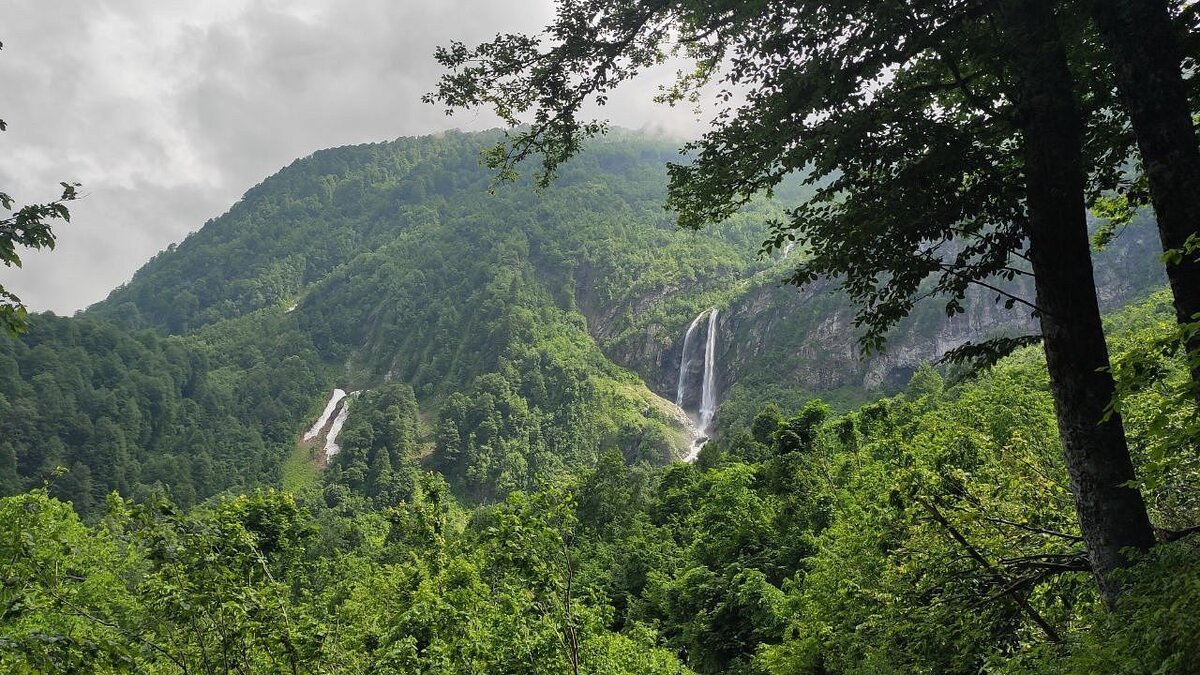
168,110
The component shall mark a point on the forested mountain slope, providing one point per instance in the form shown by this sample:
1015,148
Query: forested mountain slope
128,410
338,231
927,532
503,496
525,321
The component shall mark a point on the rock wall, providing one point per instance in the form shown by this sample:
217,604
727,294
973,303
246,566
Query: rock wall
806,339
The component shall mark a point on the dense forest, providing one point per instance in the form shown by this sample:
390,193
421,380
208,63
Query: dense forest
504,498
903,378
931,531
525,322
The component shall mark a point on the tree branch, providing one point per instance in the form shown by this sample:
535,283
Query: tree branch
1011,589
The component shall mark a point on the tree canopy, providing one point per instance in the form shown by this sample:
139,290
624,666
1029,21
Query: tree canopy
945,141
931,531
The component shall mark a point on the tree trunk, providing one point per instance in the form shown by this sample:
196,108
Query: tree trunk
1147,60
1112,516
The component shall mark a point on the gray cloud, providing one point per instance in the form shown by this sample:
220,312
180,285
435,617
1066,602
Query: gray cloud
167,111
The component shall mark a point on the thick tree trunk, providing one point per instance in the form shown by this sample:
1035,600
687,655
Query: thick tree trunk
1147,60
1112,516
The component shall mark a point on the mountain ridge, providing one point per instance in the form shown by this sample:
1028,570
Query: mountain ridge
535,328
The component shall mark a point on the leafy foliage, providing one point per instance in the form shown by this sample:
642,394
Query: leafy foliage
139,412
500,503
927,532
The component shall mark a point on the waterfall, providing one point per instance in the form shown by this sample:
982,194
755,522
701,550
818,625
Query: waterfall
316,428
703,417
708,392
331,446
681,389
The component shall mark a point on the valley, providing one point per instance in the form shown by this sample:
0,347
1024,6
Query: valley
509,396
600,338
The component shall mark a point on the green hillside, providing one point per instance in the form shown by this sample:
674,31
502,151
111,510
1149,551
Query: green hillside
373,264
812,542
506,494
536,328
130,411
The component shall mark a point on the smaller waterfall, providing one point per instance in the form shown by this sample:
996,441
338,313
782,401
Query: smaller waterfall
331,446
681,389
708,391
316,428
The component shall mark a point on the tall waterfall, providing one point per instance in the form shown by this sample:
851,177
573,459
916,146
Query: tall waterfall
681,389
708,391
703,417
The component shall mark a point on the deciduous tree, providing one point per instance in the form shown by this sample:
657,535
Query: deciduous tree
943,140
1148,63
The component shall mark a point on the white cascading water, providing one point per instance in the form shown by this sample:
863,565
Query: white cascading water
316,428
681,389
331,446
708,383
708,391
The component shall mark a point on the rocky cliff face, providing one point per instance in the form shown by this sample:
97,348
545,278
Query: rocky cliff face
805,339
